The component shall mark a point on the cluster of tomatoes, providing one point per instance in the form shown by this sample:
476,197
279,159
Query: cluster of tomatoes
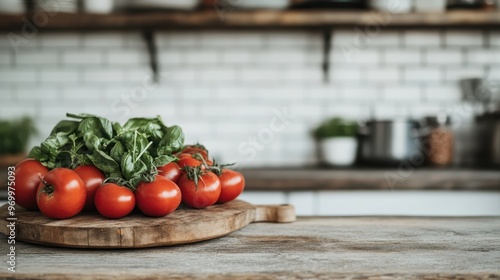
63,193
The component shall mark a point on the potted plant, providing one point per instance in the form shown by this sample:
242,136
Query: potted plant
337,143
14,138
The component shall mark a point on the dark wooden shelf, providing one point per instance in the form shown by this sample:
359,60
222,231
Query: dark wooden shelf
313,179
256,19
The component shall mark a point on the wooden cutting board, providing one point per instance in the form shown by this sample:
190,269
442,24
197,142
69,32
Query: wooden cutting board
185,225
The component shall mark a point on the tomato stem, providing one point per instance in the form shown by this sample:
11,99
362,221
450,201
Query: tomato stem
217,168
194,173
48,189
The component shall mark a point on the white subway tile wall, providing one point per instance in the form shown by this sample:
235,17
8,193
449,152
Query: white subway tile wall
251,97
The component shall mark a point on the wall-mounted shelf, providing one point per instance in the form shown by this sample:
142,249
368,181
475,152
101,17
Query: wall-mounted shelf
314,179
258,19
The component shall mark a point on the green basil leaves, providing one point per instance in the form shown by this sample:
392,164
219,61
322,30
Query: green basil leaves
128,154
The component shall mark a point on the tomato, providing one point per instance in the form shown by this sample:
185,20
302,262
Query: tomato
93,178
61,194
200,158
171,171
183,155
205,194
188,161
232,185
114,201
158,198
29,173
196,149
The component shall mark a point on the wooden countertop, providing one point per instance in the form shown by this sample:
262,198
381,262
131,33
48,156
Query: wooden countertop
326,248
314,179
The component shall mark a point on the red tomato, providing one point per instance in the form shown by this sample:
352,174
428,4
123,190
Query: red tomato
61,194
113,201
196,149
205,194
158,198
232,185
171,171
183,155
29,174
188,161
93,178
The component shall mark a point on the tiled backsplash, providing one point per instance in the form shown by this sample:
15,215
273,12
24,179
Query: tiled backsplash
251,97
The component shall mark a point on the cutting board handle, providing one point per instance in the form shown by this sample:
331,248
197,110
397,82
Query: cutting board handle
284,213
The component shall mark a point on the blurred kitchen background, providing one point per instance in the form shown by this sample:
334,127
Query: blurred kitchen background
339,107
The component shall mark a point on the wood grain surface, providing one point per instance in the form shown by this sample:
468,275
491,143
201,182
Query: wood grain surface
310,248
235,18
91,230
310,179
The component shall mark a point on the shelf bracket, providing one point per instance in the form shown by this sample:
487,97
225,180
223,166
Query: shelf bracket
327,44
149,39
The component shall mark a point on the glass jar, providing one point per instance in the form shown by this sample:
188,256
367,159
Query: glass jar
439,140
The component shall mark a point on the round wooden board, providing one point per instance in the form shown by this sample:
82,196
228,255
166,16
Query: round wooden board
185,225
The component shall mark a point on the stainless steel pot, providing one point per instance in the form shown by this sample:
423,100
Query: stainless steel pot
488,140
388,142
496,144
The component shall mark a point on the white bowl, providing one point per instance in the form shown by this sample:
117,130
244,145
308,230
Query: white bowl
430,5
338,151
262,4
98,6
392,6
12,7
164,4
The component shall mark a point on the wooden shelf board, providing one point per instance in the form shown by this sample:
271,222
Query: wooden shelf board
306,179
255,20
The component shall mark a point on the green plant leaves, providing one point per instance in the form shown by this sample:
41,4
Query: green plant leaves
95,124
336,127
172,141
117,151
106,164
162,160
65,126
15,135
127,166
129,154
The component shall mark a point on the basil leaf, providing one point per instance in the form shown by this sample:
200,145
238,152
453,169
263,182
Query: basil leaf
127,166
131,169
65,126
172,141
153,131
137,123
141,142
135,180
97,125
140,167
35,153
92,142
148,160
80,116
117,128
126,139
43,158
107,127
162,160
54,143
105,163
117,152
